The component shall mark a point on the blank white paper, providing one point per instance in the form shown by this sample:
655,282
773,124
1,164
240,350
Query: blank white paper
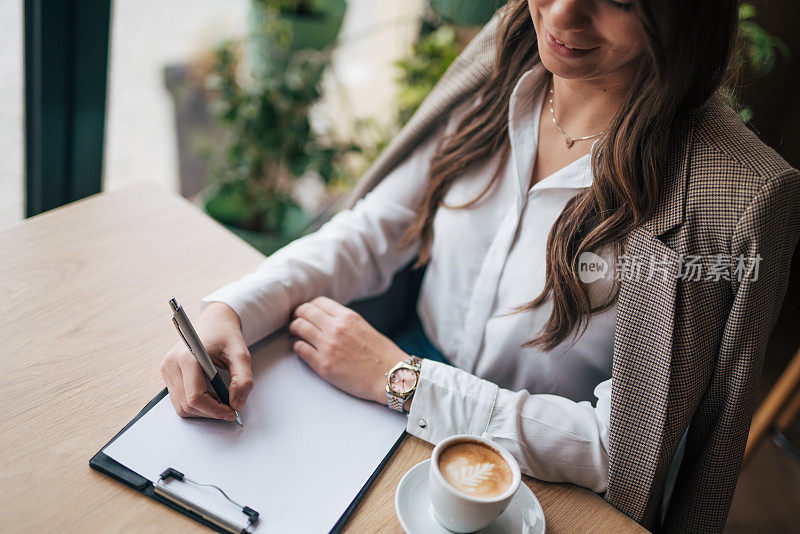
305,451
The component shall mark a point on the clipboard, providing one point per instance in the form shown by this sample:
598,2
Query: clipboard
387,312
108,466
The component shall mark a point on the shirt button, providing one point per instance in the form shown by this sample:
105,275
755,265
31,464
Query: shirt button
422,423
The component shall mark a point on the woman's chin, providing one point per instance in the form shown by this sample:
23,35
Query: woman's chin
571,69
558,68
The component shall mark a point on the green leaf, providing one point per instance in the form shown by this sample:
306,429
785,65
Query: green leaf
746,11
756,53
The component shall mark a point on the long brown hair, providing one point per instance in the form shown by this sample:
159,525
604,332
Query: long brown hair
689,46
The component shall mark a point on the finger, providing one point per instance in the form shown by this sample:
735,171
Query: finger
177,394
197,398
241,369
212,393
307,353
173,395
314,314
328,305
302,328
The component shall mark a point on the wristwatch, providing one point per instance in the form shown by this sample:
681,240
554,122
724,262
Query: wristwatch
401,382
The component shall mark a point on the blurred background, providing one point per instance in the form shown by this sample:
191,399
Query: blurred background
264,113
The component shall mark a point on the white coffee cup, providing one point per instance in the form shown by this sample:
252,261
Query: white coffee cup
458,511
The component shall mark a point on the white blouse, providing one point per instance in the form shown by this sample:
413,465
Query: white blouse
484,260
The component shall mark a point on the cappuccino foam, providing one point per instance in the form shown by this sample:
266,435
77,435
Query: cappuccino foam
475,469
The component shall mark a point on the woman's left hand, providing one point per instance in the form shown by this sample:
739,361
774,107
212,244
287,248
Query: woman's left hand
343,348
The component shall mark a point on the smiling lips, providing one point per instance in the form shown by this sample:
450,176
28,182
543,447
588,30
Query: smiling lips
564,49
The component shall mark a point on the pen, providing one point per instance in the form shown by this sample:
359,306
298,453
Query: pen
192,340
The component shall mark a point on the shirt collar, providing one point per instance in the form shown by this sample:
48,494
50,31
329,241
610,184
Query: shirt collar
524,110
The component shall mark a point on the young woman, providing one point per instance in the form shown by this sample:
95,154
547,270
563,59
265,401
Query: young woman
559,185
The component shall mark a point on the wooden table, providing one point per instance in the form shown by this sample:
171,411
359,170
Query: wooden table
83,293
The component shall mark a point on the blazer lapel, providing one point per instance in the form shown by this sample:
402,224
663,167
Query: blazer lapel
643,343
641,374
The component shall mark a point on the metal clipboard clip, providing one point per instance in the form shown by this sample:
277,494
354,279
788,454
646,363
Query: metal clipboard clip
162,490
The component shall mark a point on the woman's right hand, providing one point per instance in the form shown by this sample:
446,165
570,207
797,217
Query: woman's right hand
220,330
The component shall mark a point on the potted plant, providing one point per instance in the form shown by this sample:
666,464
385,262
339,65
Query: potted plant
308,23
466,12
755,56
422,69
266,145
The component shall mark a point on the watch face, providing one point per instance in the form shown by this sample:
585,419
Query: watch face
402,381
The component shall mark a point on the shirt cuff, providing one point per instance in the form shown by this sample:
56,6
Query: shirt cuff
449,401
260,312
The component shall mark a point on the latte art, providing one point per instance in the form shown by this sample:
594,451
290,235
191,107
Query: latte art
475,469
468,475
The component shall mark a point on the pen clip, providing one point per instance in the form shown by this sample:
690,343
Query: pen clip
177,326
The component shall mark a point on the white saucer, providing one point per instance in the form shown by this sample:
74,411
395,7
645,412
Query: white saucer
524,514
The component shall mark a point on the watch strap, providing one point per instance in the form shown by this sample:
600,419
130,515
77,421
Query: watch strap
397,402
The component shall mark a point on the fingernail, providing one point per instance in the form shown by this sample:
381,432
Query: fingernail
230,417
237,404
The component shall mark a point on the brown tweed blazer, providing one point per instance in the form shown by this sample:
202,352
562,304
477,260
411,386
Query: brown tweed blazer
684,351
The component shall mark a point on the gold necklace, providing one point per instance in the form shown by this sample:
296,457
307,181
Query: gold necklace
567,138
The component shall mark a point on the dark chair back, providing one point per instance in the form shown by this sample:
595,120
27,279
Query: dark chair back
390,310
